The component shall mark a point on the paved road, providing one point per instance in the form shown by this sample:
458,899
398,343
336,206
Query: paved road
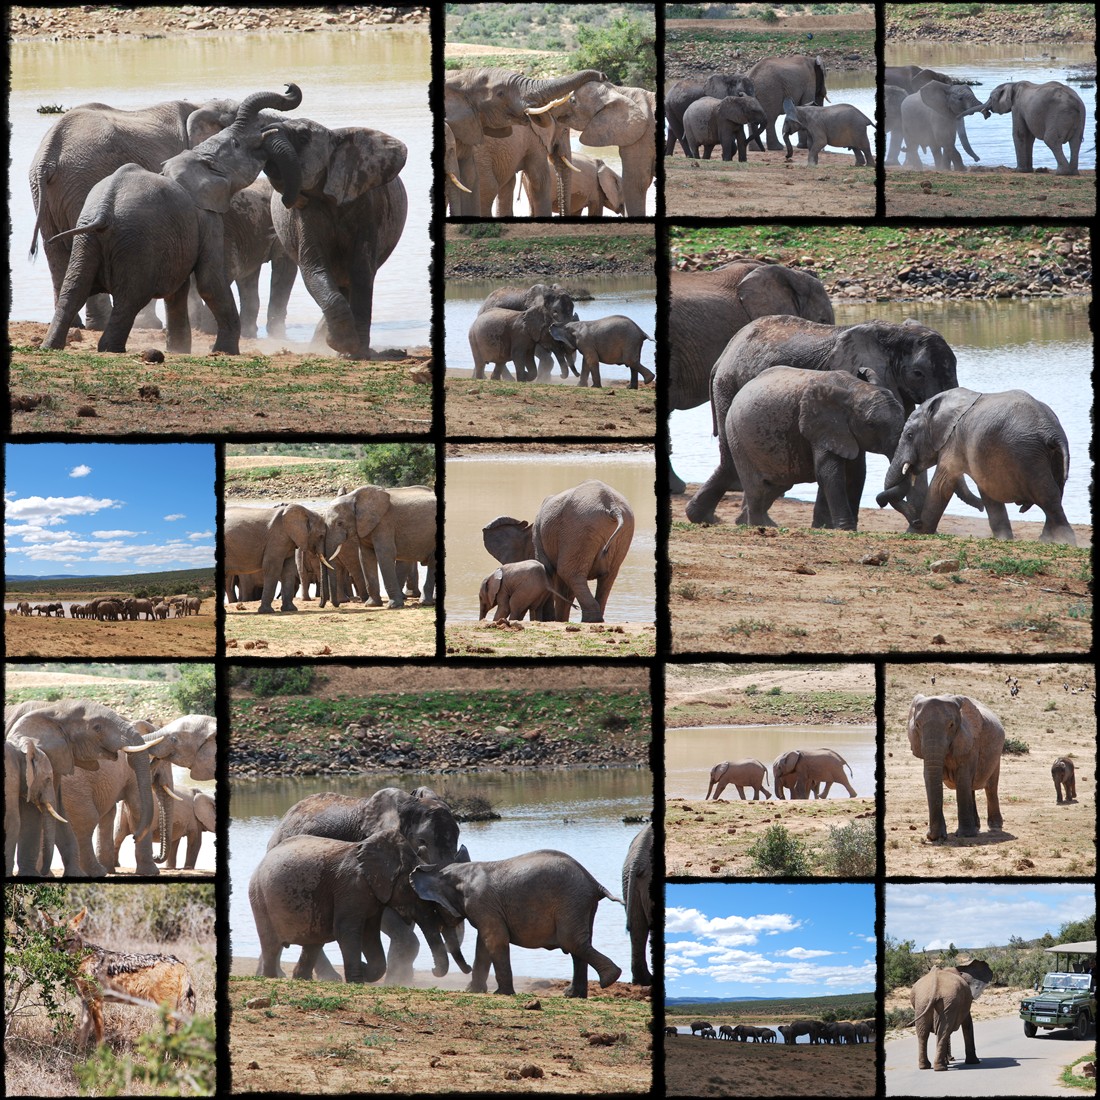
1011,1065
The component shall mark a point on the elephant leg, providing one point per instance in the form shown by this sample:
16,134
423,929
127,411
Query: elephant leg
105,836
1057,527
324,970
283,273
194,842
479,974
30,843
215,291
404,947
1024,141
992,799
972,1058
303,970
143,839
248,290
637,369
997,513
967,802
638,166
86,856
342,334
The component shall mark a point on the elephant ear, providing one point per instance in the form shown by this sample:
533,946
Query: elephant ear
362,160
372,504
914,726
970,726
464,121
934,94
508,539
611,186
379,860
206,812
208,119
823,422
768,290
429,886
859,349
621,120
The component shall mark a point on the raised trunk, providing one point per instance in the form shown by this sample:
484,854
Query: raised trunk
539,93
284,169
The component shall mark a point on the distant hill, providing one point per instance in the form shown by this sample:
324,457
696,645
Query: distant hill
177,580
846,1006
12,578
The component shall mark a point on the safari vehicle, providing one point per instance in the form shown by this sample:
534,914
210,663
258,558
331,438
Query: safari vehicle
1066,997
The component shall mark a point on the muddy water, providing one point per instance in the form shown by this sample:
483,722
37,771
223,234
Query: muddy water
579,812
1041,346
691,753
377,77
481,488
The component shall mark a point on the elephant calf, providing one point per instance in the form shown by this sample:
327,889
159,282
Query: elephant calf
1062,772
709,122
840,124
743,774
614,339
515,589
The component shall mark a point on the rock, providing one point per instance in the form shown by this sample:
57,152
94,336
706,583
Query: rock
805,570
879,557
939,639
533,1006
152,355
944,565
258,1002
531,1070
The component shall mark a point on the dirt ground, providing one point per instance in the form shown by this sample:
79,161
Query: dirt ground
79,639
767,1069
794,589
267,389
989,192
527,639
1039,836
438,1041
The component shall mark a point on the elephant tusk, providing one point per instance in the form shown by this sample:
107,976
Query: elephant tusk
458,183
143,748
904,469
171,793
569,164
52,812
326,562
549,106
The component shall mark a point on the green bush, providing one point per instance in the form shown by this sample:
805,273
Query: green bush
850,851
393,464
481,230
277,681
901,966
779,853
623,52
195,692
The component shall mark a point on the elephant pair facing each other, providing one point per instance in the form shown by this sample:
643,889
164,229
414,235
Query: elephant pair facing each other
803,772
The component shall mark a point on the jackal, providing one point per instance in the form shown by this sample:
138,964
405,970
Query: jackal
122,977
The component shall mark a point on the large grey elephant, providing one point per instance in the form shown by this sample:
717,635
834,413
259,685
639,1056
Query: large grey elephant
812,1029
541,899
839,124
932,117
377,528
1062,772
960,741
515,589
743,774
709,122
799,78
557,302
912,361
942,1000
680,95
1052,112
638,898
501,159
346,220
614,339
141,234
893,97
263,541
490,102
426,822
1012,446
803,770
580,534
503,336
312,890
30,788
789,425
840,1031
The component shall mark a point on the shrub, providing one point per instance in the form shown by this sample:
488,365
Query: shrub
195,692
901,966
850,852
393,464
623,52
779,853
276,681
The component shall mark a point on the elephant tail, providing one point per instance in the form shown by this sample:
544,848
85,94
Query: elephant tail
97,226
849,767
619,522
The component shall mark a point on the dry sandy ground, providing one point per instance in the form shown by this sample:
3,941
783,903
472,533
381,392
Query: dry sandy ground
793,589
527,639
1039,836
767,1069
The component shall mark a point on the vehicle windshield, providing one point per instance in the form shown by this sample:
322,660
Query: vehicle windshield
1067,981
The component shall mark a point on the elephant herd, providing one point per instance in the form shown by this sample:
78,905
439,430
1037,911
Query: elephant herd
69,764
816,1031
343,869
530,327
801,772
110,609
145,204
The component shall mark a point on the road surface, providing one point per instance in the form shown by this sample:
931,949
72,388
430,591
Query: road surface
1011,1065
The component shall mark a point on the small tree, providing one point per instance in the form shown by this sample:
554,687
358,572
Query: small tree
196,693
779,853
901,966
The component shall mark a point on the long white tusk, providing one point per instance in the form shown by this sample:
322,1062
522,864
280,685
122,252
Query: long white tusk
53,813
904,469
171,793
549,106
458,183
325,560
143,748
570,164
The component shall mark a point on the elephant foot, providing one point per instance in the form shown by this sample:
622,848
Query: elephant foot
571,992
609,977
287,609
261,610
939,1069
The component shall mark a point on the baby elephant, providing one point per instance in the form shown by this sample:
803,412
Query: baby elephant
709,122
742,774
515,589
193,813
840,124
1063,775
614,339
541,899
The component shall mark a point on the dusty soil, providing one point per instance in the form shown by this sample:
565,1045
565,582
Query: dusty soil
987,192
711,839
767,1069
1039,836
412,1040
527,639
768,186
36,636
794,589
268,389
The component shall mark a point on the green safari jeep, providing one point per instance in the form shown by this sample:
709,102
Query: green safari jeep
1066,997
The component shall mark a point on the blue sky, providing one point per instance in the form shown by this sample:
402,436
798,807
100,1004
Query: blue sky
981,915
763,940
108,509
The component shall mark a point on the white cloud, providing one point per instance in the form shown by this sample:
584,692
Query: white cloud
729,931
201,535
80,471
802,953
174,516
53,510
116,534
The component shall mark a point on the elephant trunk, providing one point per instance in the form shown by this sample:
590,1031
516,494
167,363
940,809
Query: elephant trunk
453,940
545,94
933,790
777,782
165,827
251,105
283,167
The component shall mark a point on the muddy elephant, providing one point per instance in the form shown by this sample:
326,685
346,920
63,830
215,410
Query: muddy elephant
730,123
807,768
541,899
424,819
29,788
960,741
942,1001
932,117
1062,772
1052,112
683,93
839,124
1010,444
515,590
580,534
638,898
615,339
263,541
743,774
503,336
798,78
556,301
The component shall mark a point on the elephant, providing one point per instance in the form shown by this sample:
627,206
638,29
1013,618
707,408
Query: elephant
194,813
669,1030
161,610
515,589
23,607
790,425
613,339
557,302
638,898
960,741
812,1029
912,361
312,890
1052,112
347,218
799,78
810,767
840,124
142,607
1010,444
455,186
893,97
29,788
502,336
708,1033
602,114
489,102
500,159
931,117
709,122
912,77
580,534
593,187
726,1032
840,1032
141,234
385,527
263,541
742,774
108,610
700,1025
423,818
542,899
865,1031
194,605
941,1001
683,93
1062,772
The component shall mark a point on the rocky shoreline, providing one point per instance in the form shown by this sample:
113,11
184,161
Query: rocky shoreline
992,24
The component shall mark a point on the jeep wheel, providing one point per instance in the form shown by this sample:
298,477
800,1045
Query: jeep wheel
1081,1025
1030,1030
